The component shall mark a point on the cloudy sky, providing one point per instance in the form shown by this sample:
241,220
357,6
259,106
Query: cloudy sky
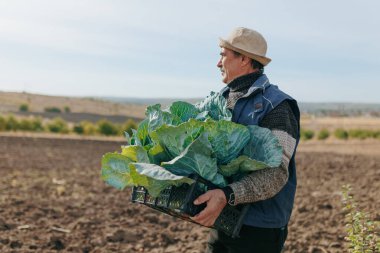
322,51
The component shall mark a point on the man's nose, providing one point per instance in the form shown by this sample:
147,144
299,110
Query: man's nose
219,64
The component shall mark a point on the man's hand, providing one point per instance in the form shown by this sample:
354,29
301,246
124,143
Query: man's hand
216,201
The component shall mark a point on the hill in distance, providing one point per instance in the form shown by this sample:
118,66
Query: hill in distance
81,108
127,107
149,101
11,101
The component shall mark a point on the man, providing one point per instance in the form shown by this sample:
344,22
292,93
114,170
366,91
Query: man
270,192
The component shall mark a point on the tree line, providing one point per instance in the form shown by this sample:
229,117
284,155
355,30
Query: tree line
339,133
58,125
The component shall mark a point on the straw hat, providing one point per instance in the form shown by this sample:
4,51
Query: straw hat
247,42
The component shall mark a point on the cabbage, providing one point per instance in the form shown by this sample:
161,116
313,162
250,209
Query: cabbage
170,145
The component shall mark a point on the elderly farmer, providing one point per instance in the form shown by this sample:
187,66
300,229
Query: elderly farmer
253,100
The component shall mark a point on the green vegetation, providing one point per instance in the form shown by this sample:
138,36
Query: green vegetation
356,134
58,125
3,123
306,134
360,133
341,134
24,108
362,233
78,128
89,128
67,109
128,126
11,124
52,109
376,134
323,134
37,125
25,125
185,139
85,128
107,128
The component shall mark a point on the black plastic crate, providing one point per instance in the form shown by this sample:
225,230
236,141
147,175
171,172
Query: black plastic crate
178,202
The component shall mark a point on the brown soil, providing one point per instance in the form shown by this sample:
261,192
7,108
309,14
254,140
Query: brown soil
52,199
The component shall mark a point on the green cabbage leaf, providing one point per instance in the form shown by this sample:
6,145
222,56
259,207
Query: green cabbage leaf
214,106
155,178
227,139
115,170
197,158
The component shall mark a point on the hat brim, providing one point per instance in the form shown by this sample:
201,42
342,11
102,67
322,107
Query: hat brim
262,59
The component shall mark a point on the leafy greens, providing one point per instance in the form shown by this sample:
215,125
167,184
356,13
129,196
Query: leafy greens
170,145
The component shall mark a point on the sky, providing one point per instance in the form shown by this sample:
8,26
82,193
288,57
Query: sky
321,51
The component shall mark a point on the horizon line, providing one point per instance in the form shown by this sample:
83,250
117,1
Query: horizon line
167,98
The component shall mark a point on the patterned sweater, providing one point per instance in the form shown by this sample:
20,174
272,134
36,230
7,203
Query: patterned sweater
264,184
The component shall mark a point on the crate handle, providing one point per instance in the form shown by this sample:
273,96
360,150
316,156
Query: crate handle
239,224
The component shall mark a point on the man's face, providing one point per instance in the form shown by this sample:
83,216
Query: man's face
229,64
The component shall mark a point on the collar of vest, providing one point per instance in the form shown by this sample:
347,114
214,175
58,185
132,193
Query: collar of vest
260,84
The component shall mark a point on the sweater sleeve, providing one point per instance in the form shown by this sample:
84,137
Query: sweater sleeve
264,184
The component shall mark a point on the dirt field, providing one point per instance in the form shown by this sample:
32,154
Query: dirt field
332,123
52,199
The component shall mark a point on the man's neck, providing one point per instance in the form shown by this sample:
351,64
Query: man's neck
244,81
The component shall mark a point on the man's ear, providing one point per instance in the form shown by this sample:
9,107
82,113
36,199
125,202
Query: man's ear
245,60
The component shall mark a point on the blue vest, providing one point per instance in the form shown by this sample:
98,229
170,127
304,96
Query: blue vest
261,98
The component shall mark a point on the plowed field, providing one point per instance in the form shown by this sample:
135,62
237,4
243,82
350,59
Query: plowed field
52,199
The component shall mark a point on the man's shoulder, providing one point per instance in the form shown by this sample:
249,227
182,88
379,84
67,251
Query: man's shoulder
274,90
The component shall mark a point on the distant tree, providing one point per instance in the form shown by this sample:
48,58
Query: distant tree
376,134
25,125
3,123
323,134
89,128
24,108
340,133
37,125
78,128
107,128
67,109
58,125
52,109
12,123
306,134
360,133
